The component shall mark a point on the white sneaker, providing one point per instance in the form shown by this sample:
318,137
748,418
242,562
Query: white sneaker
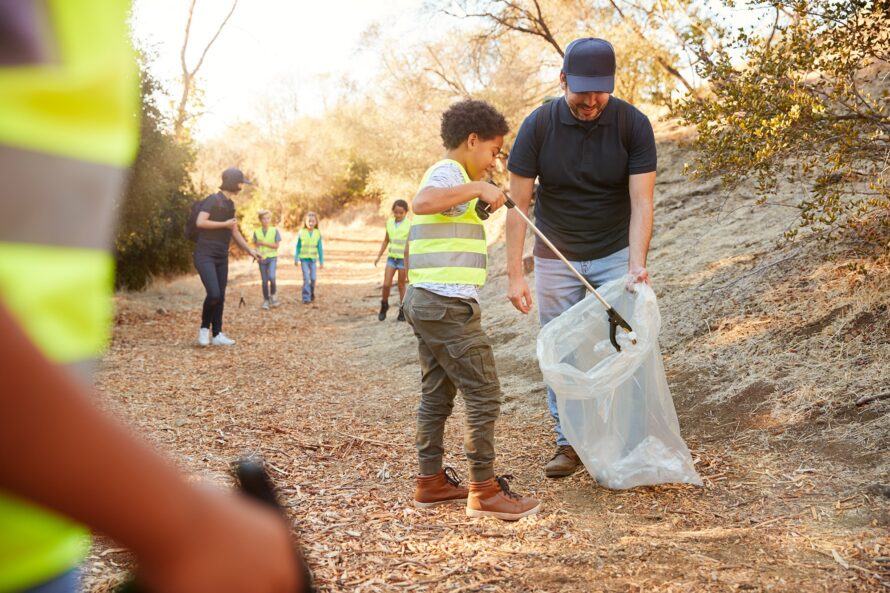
274,302
265,305
203,337
220,339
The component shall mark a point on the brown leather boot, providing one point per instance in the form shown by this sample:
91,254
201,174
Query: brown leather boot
493,498
437,489
563,463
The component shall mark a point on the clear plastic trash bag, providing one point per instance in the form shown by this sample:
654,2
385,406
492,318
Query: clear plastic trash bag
615,408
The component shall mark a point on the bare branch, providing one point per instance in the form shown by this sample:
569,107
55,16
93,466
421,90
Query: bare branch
439,71
772,34
660,59
188,75
513,19
218,31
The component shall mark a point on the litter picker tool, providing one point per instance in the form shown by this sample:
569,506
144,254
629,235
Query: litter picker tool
254,482
615,319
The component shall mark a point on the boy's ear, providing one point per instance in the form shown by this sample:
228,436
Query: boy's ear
472,139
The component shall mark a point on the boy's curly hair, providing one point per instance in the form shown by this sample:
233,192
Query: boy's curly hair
468,117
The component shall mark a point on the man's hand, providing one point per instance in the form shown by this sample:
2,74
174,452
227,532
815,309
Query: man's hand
232,544
232,223
491,195
376,261
519,294
637,274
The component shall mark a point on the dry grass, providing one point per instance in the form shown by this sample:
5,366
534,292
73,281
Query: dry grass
767,348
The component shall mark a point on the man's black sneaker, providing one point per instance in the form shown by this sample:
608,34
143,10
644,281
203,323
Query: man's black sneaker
401,316
384,307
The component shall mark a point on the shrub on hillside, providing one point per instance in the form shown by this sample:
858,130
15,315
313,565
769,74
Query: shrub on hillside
153,210
808,103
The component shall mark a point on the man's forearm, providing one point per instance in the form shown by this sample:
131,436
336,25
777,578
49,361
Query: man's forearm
521,189
515,244
642,189
640,236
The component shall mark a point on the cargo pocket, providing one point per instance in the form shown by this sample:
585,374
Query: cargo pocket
427,313
474,367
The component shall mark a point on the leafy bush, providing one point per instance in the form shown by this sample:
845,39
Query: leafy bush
154,209
808,103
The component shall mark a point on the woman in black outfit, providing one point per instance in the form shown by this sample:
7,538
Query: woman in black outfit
217,226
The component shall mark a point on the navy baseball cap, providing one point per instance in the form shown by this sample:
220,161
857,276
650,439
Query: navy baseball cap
231,177
589,66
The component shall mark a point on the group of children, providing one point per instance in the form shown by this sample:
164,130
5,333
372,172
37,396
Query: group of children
308,254
445,252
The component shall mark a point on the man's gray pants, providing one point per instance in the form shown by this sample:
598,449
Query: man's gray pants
557,289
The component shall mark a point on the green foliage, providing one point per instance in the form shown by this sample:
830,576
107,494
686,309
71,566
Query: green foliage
351,186
153,211
808,104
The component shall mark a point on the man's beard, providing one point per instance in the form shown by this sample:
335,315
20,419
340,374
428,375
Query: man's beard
580,116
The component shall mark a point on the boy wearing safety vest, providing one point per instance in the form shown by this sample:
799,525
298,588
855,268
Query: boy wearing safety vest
309,252
396,238
267,238
447,263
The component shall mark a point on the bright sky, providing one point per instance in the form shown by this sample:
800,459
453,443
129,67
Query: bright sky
282,49
270,48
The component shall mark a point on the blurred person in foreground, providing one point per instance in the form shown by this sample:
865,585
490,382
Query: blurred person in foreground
68,134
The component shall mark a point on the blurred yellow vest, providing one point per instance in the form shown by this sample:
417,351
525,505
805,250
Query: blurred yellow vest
69,107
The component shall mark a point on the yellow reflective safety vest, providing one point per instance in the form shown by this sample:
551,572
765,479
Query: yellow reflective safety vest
69,105
398,236
267,237
447,249
309,243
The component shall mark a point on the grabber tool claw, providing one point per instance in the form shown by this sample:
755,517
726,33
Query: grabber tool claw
615,320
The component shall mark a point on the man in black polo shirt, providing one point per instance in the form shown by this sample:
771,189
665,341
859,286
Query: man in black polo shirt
594,158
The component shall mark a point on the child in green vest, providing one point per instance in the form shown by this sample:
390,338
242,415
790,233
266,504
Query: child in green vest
267,238
309,252
396,239
447,263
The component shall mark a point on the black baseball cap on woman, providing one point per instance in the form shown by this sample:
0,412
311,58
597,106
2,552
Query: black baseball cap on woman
589,66
231,177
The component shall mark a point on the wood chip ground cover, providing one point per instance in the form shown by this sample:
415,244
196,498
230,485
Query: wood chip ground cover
327,395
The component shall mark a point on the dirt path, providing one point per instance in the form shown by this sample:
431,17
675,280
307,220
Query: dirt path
327,395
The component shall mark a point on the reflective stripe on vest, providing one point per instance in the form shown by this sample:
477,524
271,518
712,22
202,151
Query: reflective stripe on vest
398,236
447,249
68,131
309,243
55,200
267,237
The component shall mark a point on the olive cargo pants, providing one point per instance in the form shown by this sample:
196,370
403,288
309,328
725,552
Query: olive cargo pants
454,353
